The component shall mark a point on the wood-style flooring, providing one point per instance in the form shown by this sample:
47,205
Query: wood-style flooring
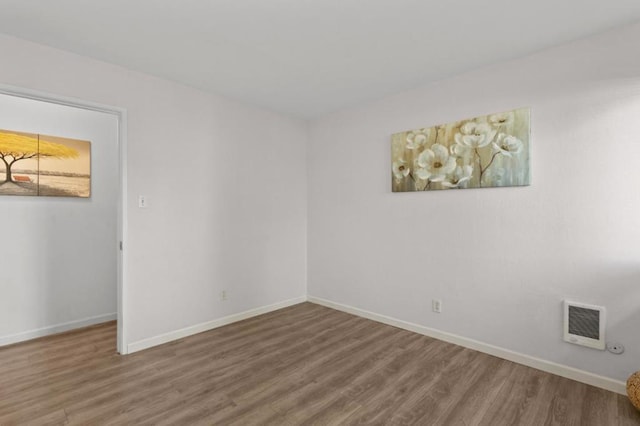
305,364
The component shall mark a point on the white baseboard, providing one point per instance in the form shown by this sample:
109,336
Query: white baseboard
209,325
533,362
54,329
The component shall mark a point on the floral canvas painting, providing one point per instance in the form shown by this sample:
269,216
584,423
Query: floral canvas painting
41,165
487,151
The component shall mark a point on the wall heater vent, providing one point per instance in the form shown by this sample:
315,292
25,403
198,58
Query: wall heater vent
584,324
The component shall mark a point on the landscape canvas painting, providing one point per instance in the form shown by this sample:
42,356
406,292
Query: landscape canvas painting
486,151
41,165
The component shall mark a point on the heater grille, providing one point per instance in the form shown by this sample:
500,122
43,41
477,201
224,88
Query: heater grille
584,324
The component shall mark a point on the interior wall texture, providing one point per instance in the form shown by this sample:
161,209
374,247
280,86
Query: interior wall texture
501,259
58,254
225,186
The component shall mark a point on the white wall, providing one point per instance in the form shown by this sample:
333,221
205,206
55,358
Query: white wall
227,191
59,254
502,259
226,187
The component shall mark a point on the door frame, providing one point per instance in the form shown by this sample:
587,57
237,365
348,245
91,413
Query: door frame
121,116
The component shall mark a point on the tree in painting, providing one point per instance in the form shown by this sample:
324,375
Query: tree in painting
15,147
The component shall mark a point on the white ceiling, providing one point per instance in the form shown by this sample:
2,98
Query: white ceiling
308,57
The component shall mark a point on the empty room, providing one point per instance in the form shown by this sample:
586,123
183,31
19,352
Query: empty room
319,212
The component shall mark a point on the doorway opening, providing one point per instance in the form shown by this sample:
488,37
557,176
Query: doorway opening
65,265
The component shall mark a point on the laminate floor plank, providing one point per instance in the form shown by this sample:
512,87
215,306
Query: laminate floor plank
296,365
419,370
434,403
599,406
565,407
302,365
477,399
627,414
514,399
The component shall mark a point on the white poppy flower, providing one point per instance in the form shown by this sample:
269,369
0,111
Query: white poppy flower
460,176
435,163
463,152
417,138
400,169
508,145
475,135
501,119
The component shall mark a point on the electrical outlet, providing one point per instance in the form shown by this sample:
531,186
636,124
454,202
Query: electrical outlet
223,295
436,305
615,348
